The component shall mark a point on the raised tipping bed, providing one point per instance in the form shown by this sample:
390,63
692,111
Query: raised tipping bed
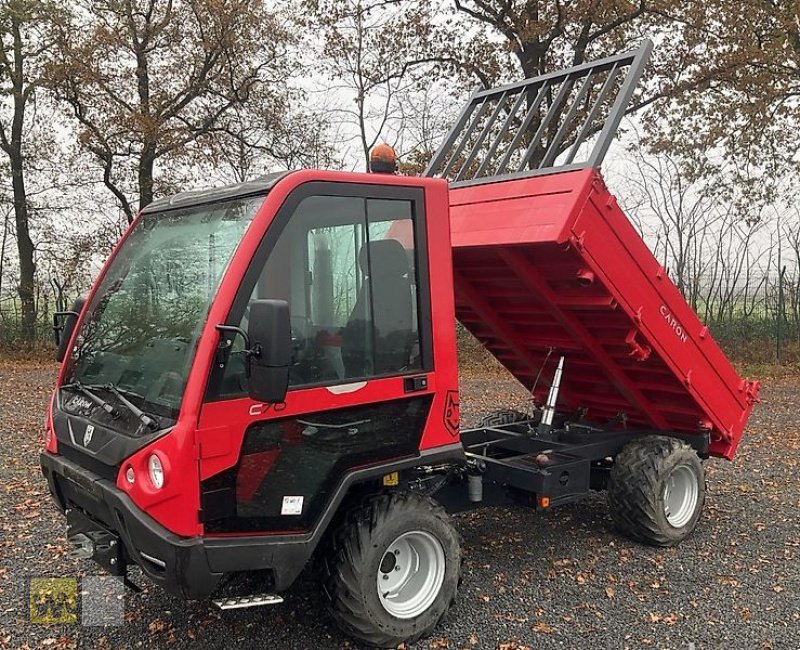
549,266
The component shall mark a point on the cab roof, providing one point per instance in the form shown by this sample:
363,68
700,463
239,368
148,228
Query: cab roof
261,185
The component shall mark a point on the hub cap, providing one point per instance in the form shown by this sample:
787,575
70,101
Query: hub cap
411,574
680,496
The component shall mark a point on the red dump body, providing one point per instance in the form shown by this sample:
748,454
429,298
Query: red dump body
553,262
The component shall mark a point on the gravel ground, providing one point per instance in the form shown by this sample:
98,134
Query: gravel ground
562,579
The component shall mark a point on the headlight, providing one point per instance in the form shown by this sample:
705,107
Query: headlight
156,471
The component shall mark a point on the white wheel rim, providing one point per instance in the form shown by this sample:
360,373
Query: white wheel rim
681,493
411,574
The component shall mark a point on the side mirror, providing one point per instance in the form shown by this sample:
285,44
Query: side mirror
63,326
270,335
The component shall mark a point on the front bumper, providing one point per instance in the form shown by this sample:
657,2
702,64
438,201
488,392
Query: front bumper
95,505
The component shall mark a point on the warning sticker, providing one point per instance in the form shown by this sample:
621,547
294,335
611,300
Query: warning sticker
292,506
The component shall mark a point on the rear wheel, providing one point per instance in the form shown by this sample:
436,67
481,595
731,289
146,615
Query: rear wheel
392,569
656,490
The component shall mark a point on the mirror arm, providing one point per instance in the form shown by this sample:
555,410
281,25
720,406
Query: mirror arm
248,351
236,330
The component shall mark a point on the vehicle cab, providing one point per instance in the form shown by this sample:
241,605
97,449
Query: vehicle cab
247,356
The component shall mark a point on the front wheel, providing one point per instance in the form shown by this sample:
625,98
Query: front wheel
392,569
656,490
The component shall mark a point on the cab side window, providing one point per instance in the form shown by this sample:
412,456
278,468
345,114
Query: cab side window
347,266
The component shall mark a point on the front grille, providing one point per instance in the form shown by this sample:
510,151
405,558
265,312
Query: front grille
87,462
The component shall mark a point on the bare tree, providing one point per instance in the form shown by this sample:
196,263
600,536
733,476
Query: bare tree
426,115
683,218
721,256
790,232
543,36
735,100
3,242
66,268
272,131
146,79
373,52
25,44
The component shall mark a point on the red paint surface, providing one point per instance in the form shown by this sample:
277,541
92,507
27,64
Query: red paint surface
552,261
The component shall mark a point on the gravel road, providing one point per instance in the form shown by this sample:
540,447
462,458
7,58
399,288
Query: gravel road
562,579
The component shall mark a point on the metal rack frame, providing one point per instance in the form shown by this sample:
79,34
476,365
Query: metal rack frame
467,155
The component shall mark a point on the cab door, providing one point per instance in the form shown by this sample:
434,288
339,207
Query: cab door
352,262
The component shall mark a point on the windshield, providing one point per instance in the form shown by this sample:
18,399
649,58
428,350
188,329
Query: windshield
141,329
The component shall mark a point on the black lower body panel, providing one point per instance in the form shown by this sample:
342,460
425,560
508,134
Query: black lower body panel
193,567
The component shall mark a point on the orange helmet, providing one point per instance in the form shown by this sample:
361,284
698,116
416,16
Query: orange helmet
383,159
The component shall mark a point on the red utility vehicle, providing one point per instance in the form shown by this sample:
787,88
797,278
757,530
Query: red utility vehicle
267,371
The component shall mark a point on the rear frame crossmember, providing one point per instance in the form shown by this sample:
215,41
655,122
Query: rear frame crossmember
565,465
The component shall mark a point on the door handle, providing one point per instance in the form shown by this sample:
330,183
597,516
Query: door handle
415,384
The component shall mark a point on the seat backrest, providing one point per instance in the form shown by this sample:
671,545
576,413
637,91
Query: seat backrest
382,343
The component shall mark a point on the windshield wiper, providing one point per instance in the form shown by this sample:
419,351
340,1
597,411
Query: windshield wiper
145,419
108,408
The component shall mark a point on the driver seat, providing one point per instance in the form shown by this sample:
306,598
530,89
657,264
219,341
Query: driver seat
379,340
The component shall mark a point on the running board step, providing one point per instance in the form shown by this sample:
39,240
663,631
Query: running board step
256,600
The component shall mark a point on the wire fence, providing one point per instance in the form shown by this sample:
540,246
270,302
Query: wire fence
756,321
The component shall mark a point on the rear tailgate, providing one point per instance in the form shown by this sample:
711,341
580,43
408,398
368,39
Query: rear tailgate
550,265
